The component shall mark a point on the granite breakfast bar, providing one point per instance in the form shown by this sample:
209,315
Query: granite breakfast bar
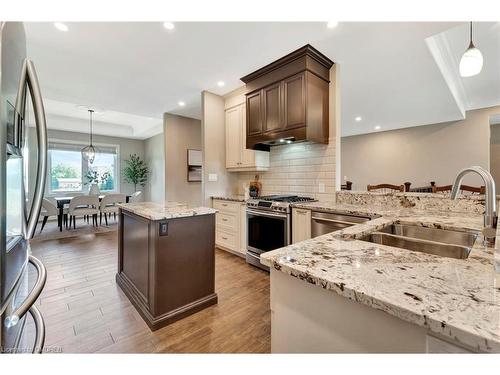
343,294
166,259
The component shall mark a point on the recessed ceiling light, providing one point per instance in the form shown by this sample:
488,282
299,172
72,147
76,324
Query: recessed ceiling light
358,118
168,25
181,103
332,24
220,83
377,127
282,140
60,26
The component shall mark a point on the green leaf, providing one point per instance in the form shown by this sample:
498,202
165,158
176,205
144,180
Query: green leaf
136,171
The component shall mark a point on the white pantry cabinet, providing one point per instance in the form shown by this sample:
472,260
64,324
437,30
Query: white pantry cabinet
238,158
301,225
230,226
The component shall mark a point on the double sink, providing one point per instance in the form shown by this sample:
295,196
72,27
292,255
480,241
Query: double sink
441,242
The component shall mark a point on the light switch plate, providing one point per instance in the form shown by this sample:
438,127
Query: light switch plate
321,187
212,177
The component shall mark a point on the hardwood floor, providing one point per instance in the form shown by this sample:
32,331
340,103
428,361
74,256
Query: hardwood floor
85,311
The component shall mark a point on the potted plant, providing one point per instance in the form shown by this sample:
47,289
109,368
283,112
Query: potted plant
94,179
136,172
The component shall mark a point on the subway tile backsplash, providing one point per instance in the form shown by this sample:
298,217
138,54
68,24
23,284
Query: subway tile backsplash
298,169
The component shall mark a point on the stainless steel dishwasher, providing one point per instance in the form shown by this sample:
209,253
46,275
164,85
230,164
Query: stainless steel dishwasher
323,222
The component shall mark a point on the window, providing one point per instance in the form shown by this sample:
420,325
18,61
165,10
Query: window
105,163
65,170
68,171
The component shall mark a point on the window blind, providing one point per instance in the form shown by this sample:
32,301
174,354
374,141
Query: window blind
56,145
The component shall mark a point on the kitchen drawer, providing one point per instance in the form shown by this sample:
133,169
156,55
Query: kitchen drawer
227,206
225,239
228,221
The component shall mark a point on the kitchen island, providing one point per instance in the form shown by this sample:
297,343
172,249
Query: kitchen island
166,259
341,293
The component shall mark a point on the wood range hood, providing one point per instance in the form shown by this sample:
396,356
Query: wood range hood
287,100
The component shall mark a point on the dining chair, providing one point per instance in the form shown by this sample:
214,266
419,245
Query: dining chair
346,186
83,205
49,208
135,197
109,206
385,188
463,189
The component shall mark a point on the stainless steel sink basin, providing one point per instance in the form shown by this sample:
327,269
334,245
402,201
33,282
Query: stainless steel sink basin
451,237
445,243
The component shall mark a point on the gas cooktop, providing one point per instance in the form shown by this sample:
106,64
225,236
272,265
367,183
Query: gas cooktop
277,203
286,198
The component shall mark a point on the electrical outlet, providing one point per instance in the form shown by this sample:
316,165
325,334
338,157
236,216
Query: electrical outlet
163,228
212,177
321,187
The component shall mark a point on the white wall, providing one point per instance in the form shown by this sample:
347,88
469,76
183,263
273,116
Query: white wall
154,155
127,147
419,154
181,134
214,149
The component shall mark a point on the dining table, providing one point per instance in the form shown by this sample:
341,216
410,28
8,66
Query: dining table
61,201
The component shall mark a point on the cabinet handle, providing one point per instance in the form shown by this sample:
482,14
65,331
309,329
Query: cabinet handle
224,219
224,204
224,238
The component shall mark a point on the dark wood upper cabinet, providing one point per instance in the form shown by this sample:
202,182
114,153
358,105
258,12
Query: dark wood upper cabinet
289,99
254,113
294,89
271,102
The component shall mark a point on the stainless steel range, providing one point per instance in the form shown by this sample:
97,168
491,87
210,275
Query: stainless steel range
269,225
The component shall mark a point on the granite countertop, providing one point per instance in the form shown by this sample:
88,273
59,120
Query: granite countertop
455,298
233,198
168,210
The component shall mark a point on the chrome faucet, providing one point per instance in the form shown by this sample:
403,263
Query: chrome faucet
490,212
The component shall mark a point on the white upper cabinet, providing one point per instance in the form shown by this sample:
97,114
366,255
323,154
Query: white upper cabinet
233,137
238,158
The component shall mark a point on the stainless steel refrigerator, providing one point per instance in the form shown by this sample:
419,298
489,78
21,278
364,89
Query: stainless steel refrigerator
22,276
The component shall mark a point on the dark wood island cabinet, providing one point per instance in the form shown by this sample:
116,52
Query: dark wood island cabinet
166,259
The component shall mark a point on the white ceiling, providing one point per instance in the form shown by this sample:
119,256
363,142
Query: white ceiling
392,74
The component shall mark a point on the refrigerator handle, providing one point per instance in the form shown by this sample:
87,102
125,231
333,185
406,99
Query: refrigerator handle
40,330
16,315
30,76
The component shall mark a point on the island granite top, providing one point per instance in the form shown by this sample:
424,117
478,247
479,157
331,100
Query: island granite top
455,298
163,211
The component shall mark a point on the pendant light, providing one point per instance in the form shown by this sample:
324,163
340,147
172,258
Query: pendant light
472,60
88,152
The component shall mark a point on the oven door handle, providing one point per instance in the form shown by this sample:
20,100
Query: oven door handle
334,221
263,213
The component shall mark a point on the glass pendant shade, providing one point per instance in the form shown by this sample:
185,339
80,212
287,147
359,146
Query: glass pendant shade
471,62
88,153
